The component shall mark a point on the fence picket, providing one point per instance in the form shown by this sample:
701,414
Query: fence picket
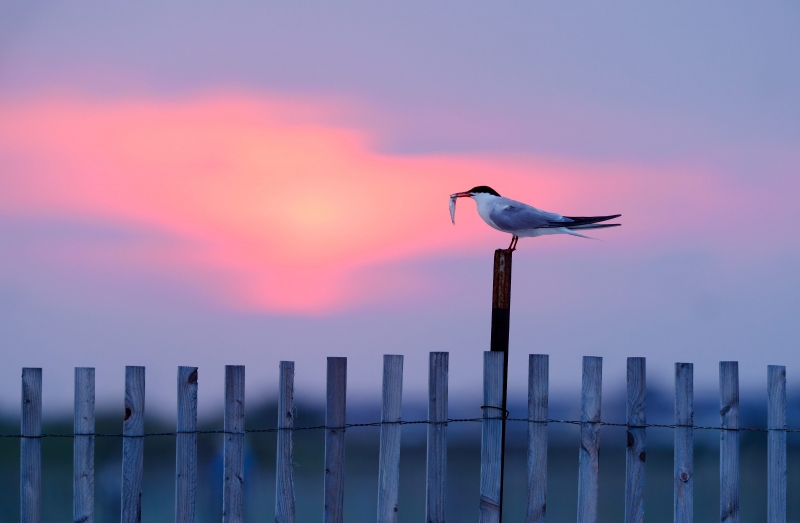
588,465
729,442
31,446
133,445
436,458
776,451
389,462
491,436
284,462
538,376
233,461
83,447
636,452
335,419
683,500
186,446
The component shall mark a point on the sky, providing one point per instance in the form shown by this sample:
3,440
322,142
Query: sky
183,184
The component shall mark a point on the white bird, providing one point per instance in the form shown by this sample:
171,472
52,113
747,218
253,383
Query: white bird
521,220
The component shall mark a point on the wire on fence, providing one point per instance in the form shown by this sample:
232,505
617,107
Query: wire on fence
404,422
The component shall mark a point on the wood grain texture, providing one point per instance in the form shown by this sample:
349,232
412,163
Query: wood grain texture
133,445
30,472
589,461
729,442
335,419
186,446
389,461
284,462
436,458
501,288
683,499
83,447
538,378
636,452
233,461
491,437
776,444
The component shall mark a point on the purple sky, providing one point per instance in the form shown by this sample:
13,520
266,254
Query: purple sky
684,118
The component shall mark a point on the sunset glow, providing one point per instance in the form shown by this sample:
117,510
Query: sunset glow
266,206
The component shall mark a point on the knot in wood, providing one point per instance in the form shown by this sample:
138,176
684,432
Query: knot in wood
127,413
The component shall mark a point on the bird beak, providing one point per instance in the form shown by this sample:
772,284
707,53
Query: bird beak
461,195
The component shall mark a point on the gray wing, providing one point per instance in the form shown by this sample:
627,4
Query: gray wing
521,217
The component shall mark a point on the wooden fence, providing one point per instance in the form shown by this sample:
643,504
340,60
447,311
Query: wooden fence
390,432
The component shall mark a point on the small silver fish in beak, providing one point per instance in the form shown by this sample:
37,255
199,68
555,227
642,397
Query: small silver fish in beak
453,198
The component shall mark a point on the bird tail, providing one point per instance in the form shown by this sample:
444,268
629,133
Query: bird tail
592,226
576,221
573,233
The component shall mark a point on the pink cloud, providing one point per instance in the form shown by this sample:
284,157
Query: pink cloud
275,208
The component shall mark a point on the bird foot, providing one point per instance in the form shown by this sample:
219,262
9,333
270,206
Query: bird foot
513,246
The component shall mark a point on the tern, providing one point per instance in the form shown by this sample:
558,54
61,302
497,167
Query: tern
521,220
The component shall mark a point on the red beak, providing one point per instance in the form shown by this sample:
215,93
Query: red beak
461,195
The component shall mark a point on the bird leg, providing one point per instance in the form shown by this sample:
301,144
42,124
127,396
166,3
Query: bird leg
513,246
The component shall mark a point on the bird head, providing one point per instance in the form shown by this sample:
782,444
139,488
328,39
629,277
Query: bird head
481,189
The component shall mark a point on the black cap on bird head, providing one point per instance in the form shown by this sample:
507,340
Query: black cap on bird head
483,189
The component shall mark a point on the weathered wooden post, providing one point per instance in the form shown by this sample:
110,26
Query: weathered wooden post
729,442
589,458
436,455
683,511
501,315
335,420
491,437
233,446
284,461
636,436
83,447
133,445
389,461
30,474
776,450
186,446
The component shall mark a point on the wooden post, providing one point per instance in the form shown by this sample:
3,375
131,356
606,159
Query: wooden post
30,474
729,442
83,447
491,437
389,462
636,449
776,452
233,461
335,417
589,457
284,461
133,445
683,500
186,446
538,376
437,438
501,321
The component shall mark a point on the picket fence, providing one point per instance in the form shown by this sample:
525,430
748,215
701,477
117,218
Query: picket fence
390,431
